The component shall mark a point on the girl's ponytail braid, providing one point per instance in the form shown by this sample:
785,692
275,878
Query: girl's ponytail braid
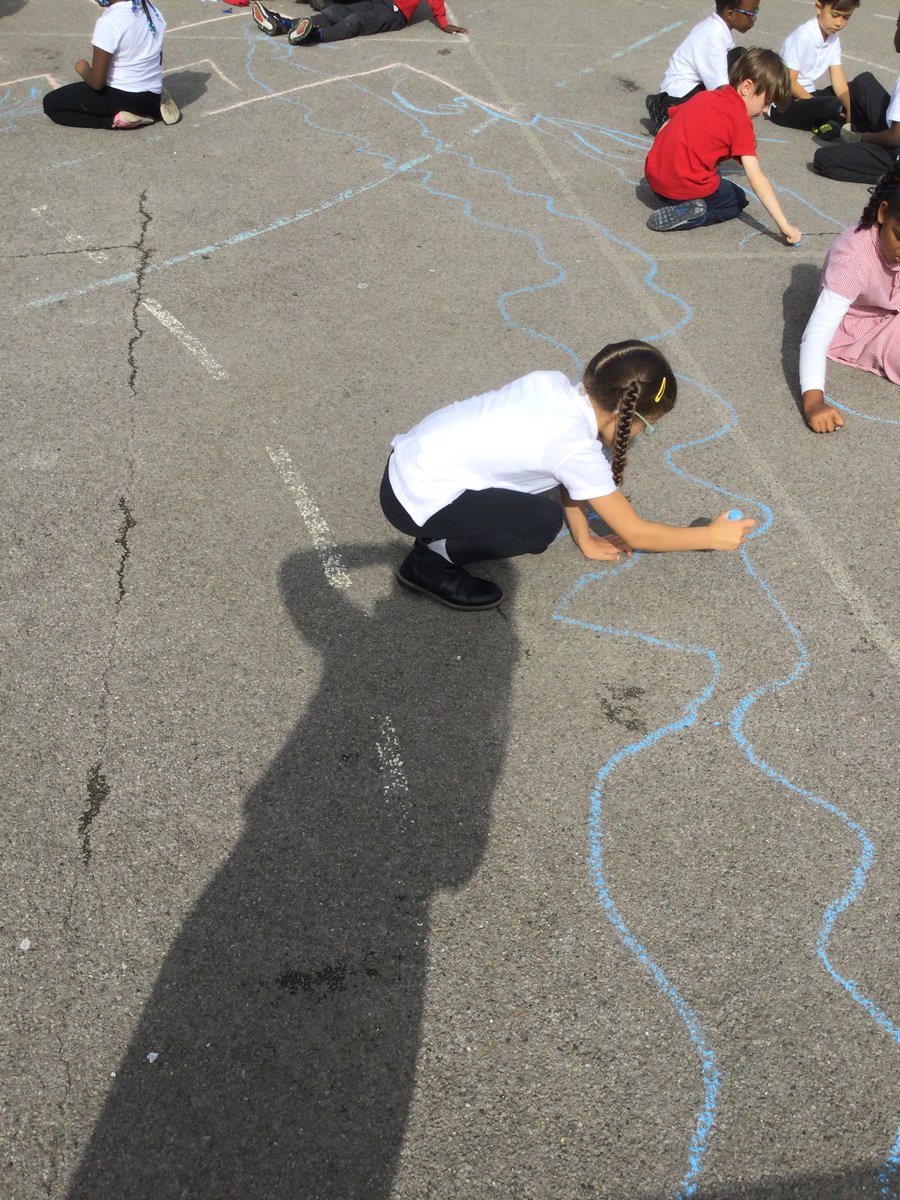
886,189
624,422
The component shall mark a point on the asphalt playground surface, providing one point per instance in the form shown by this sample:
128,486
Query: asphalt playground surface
311,888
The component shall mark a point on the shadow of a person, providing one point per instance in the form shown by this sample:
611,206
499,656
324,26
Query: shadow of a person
797,303
287,1012
186,86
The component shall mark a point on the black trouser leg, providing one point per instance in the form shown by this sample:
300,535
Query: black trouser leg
853,162
483,525
78,105
809,114
868,104
358,18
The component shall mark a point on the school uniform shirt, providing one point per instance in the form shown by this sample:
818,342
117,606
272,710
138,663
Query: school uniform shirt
699,134
809,54
701,58
529,436
893,108
857,317
136,65
408,7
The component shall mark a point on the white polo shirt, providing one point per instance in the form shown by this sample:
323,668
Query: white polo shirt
809,54
701,58
136,65
529,436
893,108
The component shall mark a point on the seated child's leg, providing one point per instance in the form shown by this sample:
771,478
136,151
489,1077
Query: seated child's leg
496,523
80,106
853,162
868,104
809,114
358,18
727,202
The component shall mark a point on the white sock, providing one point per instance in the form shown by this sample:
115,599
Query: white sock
440,548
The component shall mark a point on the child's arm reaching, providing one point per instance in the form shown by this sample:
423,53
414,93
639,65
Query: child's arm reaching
820,329
767,198
590,544
840,87
631,532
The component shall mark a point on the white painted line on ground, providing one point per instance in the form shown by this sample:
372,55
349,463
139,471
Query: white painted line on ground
332,563
361,75
187,340
74,239
199,63
9,82
393,773
193,24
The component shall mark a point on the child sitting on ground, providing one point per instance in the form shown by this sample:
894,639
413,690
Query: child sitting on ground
336,22
871,145
473,481
808,53
122,85
682,166
703,59
857,316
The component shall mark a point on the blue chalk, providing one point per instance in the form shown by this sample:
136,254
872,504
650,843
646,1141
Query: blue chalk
735,515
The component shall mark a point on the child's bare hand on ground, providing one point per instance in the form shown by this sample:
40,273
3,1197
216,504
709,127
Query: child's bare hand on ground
820,417
792,235
606,548
455,29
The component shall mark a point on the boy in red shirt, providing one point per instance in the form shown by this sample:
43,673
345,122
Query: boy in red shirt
682,166
335,22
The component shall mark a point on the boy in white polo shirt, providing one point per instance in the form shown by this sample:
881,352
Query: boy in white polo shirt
808,53
702,60
871,145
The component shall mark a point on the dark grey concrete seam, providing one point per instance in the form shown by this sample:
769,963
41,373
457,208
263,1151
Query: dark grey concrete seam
98,790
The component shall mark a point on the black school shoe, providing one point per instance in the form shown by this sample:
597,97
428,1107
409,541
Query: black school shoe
658,112
424,571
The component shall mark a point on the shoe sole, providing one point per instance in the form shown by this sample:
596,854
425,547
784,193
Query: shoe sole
415,587
169,110
664,220
263,23
305,36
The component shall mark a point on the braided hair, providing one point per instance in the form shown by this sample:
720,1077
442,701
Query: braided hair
136,4
629,378
885,191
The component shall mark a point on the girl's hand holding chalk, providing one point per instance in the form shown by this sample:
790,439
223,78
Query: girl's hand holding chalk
728,530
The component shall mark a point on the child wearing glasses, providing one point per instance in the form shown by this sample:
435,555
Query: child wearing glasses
808,53
702,60
478,480
683,164
856,320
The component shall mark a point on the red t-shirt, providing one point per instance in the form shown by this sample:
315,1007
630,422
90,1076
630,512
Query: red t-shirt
408,7
699,134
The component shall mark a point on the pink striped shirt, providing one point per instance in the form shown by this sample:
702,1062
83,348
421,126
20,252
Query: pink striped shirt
869,335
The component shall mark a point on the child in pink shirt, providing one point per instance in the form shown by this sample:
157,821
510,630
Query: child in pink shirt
857,316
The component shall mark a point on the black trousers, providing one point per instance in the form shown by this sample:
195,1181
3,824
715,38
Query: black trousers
860,162
483,525
356,18
79,105
808,114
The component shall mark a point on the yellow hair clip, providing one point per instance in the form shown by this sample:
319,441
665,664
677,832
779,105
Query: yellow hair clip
662,391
